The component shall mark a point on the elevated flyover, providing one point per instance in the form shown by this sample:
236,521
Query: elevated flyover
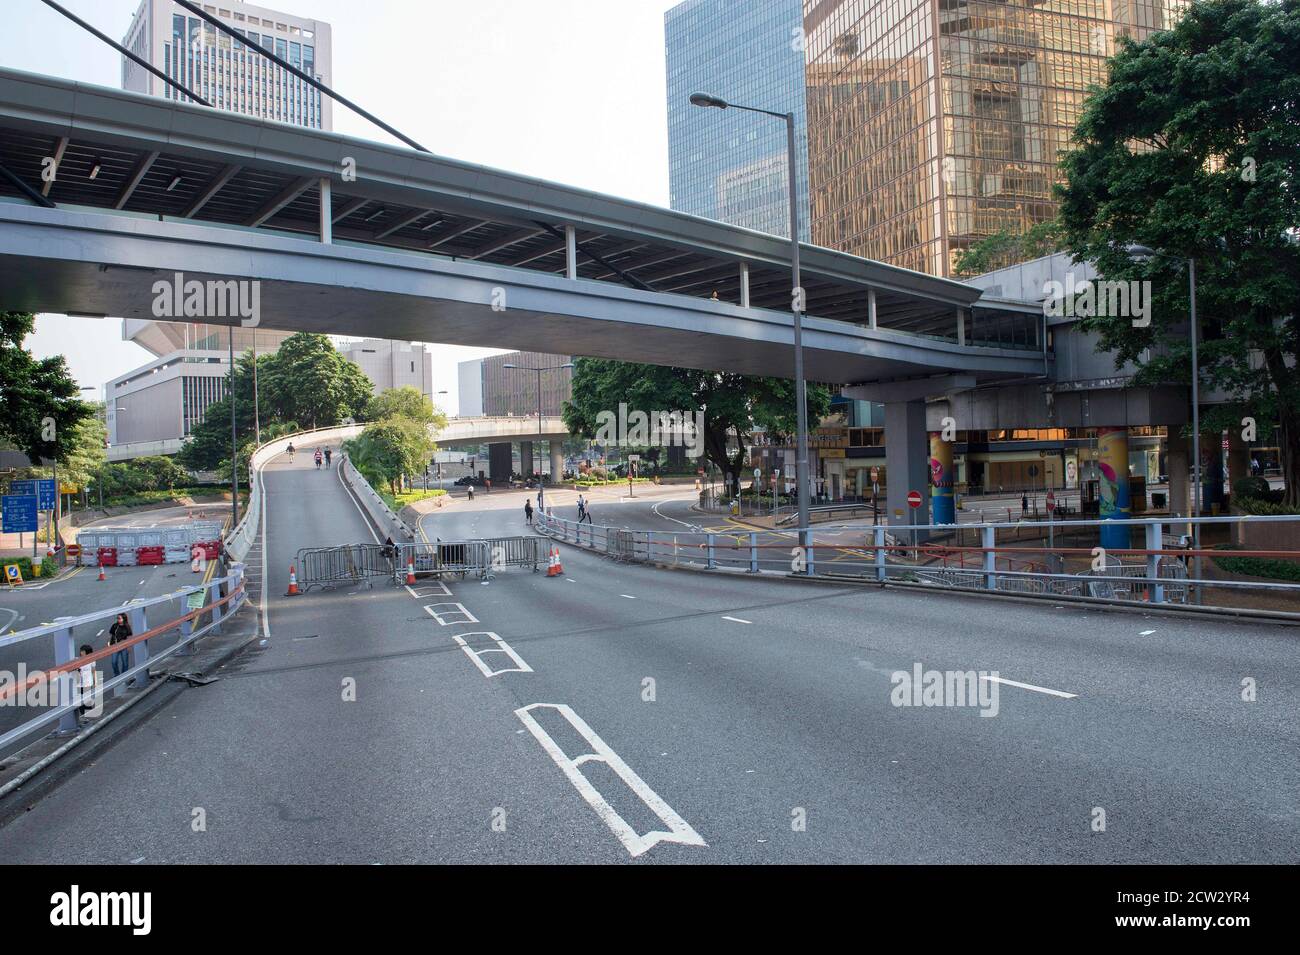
414,246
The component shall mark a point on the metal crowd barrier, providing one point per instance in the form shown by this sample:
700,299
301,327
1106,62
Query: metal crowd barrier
993,557
437,558
326,567
515,552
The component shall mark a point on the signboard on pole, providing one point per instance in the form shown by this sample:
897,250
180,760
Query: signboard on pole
18,513
875,475
13,575
43,488
1051,501
914,499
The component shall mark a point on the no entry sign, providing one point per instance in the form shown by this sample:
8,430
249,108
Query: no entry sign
1051,501
914,498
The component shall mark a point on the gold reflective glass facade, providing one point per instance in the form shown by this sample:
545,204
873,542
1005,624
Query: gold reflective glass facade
935,123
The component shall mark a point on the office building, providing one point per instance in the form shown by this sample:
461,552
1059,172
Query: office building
933,124
391,364
487,387
732,165
228,73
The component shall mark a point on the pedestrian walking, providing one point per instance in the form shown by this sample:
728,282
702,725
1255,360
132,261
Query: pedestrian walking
470,488
328,454
1024,504
528,511
120,632
582,506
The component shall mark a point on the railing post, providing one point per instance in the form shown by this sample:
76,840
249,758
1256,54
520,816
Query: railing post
710,563
989,541
187,628
878,539
1155,542
140,652
65,651
218,612
753,552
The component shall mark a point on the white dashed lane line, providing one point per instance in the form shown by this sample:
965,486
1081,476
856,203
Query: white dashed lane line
628,596
737,620
1030,686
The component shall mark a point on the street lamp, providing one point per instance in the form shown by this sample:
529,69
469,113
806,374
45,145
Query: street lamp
1141,253
541,485
796,304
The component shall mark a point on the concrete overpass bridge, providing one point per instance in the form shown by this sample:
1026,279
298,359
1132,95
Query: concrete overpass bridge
420,247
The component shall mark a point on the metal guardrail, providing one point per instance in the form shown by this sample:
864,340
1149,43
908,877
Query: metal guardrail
326,567
439,558
1148,570
223,596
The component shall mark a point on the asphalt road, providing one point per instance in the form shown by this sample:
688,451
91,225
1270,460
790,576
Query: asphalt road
745,719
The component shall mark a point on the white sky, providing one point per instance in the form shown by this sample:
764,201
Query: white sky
566,90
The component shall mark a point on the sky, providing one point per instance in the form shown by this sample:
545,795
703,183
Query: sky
566,90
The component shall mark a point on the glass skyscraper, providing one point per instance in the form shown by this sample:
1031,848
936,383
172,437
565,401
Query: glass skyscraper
731,165
935,123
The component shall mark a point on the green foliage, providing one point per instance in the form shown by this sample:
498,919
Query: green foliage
32,392
404,402
85,457
730,402
49,566
1007,248
143,474
1251,486
306,383
1271,567
1263,507
1190,149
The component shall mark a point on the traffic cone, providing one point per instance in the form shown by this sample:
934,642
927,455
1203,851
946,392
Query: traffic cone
293,581
410,570
554,568
101,570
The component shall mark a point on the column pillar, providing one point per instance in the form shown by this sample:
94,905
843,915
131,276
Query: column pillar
570,252
942,504
326,212
499,462
1178,465
1212,473
557,461
871,308
1112,465
906,461
744,285
1238,456
526,461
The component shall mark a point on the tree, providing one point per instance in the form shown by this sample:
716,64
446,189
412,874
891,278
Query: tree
306,383
399,438
40,404
1191,149
85,457
309,381
404,402
1007,248
729,402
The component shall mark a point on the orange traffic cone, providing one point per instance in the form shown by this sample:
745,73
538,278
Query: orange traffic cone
293,582
410,570
101,571
554,568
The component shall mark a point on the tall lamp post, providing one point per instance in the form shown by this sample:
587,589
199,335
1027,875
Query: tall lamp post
541,485
796,304
1140,253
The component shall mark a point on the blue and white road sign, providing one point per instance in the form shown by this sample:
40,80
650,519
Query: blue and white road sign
43,488
18,513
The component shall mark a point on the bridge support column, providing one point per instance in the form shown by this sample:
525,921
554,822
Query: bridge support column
527,463
500,458
557,462
326,213
1112,463
906,461
942,505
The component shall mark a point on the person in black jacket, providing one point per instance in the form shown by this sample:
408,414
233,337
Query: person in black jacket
118,633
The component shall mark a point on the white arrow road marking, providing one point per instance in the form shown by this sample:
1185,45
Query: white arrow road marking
501,647
1030,686
679,830
462,612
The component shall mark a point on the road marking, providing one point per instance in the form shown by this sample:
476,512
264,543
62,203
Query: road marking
1030,686
679,830
628,596
445,592
469,617
501,647
1146,633
737,620
570,580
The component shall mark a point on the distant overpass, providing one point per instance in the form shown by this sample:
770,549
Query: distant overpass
424,248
